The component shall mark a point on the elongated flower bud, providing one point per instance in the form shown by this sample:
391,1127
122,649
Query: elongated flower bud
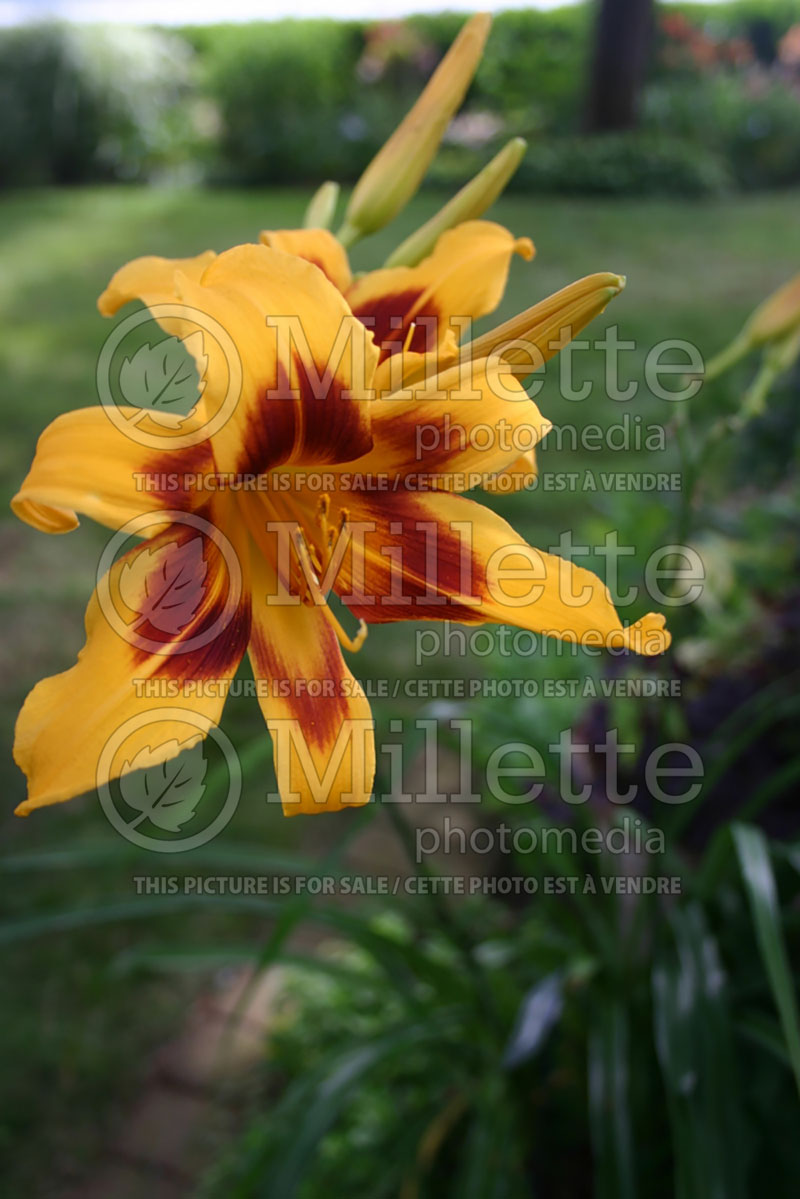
530,339
322,207
466,205
396,171
778,315
779,357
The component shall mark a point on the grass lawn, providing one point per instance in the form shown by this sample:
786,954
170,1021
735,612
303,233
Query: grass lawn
73,1028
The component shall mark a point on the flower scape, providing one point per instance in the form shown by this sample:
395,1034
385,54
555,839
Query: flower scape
315,485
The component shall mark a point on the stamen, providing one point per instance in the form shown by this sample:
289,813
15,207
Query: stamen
409,337
307,575
353,644
323,509
311,587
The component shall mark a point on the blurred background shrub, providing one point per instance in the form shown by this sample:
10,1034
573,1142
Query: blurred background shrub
634,163
300,101
85,103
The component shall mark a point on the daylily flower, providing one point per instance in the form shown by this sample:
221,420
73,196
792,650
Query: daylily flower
395,554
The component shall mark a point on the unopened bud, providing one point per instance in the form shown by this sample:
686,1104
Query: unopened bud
776,317
779,357
527,341
322,206
396,171
466,205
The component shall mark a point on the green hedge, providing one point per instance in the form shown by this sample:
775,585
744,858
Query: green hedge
286,99
300,101
93,102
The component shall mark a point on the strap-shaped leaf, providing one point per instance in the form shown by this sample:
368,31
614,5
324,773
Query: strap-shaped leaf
759,880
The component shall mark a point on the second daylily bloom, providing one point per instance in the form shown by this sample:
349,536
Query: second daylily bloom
415,312
420,314
404,551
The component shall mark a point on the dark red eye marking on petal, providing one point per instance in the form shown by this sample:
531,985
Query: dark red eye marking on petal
311,423
181,592
436,563
321,717
271,427
172,479
389,316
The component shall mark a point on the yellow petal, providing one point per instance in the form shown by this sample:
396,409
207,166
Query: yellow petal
454,432
317,355
318,362
463,279
521,474
441,556
527,341
399,369
315,245
85,464
69,725
149,279
316,711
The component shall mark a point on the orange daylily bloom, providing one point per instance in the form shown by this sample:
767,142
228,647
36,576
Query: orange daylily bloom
259,581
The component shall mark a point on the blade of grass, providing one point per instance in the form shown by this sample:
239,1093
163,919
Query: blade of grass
759,880
314,1102
539,1012
718,852
610,1103
695,1048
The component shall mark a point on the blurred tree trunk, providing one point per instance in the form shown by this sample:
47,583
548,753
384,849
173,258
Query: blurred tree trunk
622,40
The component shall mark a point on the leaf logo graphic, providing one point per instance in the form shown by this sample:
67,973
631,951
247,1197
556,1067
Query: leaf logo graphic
162,378
166,793
165,585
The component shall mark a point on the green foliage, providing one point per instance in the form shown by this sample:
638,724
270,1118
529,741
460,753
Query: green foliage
92,102
287,99
303,101
751,127
734,16
535,63
623,164
594,1038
